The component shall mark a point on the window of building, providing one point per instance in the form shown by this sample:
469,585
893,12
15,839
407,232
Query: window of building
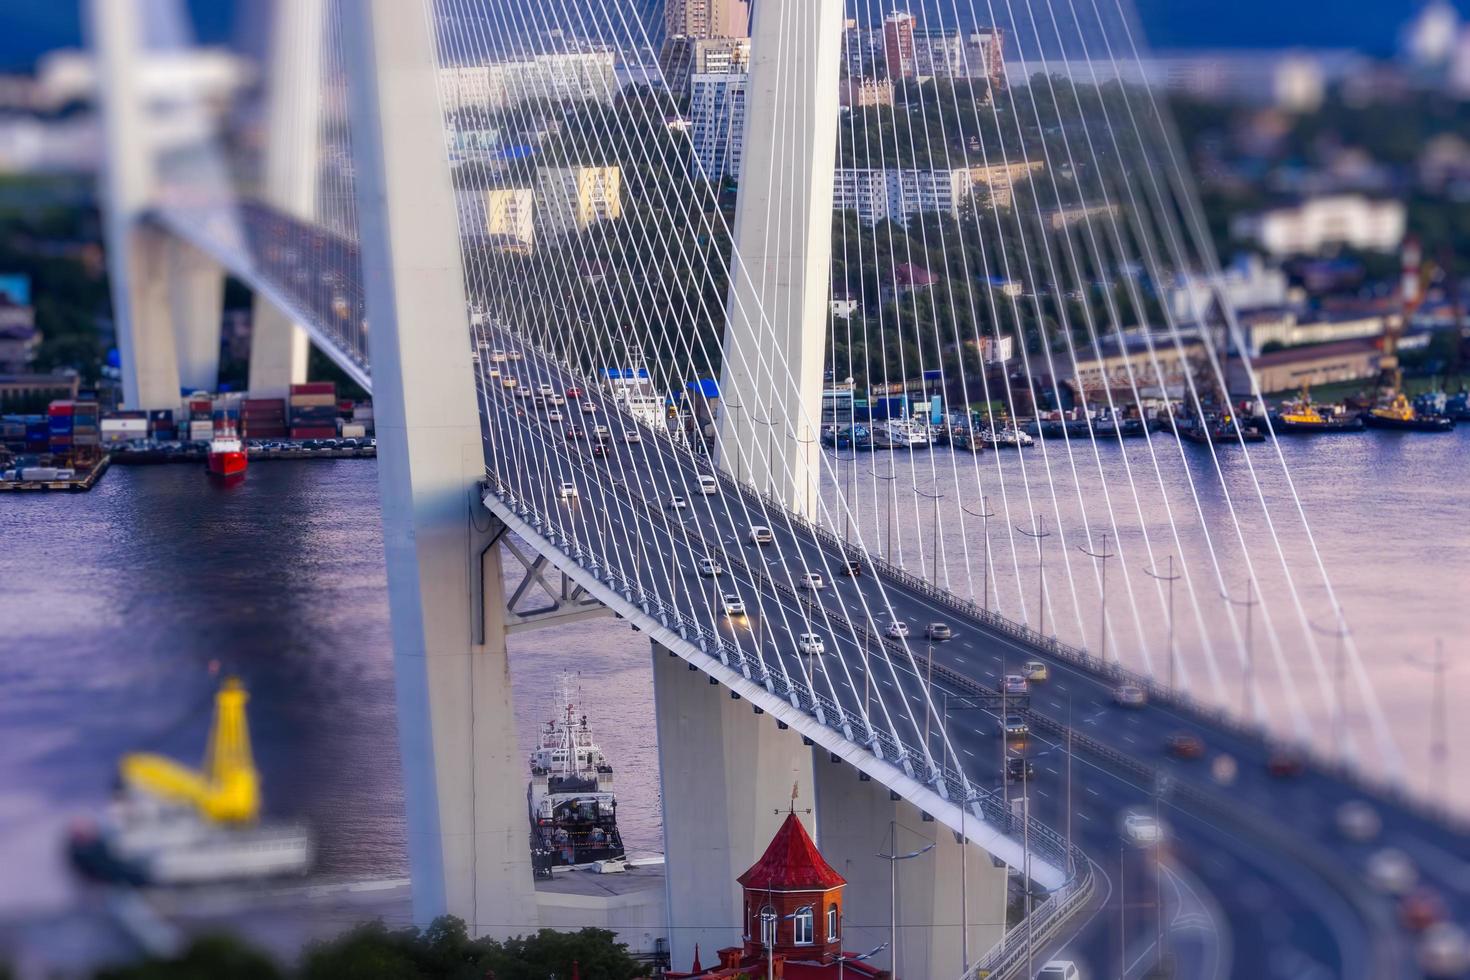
831,922
768,926
805,924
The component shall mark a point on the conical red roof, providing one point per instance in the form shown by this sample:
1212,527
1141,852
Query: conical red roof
791,863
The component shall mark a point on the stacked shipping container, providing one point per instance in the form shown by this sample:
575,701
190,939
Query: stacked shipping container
263,418
314,410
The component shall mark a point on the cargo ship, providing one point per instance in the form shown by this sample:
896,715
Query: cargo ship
1400,415
172,825
574,815
227,456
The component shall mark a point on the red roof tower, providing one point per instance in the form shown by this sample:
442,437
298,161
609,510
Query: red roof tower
793,899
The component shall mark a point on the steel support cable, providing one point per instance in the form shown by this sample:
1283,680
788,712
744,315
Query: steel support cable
1387,744
1049,164
1146,242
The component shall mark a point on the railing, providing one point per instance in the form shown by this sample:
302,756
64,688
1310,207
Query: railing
1013,954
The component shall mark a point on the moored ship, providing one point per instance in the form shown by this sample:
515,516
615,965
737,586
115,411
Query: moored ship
1303,416
227,456
1399,414
574,815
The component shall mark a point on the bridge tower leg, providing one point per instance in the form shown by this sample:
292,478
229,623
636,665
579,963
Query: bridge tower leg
279,348
856,821
771,410
726,776
468,836
196,287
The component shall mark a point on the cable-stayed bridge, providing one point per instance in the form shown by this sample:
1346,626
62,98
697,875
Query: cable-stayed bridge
640,266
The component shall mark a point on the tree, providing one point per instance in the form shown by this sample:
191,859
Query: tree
215,957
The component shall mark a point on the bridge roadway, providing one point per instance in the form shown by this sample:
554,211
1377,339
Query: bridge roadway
1272,895
1272,888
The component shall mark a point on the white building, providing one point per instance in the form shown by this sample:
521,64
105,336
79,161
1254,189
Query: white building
717,122
563,76
1343,219
503,214
897,195
1247,284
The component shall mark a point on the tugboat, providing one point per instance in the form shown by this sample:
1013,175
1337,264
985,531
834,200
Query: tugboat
227,456
1218,429
1400,415
1303,416
574,815
172,825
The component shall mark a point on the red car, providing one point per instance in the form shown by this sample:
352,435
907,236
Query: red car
573,432
574,392
1420,909
599,449
1185,746
1284,763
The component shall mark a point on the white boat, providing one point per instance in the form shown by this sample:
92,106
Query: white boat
899,434
572,808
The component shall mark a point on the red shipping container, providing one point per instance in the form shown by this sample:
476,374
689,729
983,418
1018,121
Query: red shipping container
250,403
314,432
62,408
315,388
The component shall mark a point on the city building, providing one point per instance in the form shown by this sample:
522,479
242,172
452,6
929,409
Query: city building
501,214
862,51
558,76
1246,284
706,18
863,92
572,199
897,195
1319,364
16,388
1281,327
1352,220
717,123
1001,179
960,54
684,57
1150,361
993,350
470,142
898,45
793,919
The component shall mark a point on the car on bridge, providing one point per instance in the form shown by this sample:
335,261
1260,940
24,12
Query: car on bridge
567,490
810,581
514,355
1185,745
631,436
588,408
852,567
1285,762
1015,727
544,389
1357,821
1016,684
523,393
1130,696
1142,829
709,568
601,433
732,605
898,629
708,484
938,632
553,416
1059,970
760,535
1019,769
1036,671
574,392
599,450
810,644
677,502
556,399
497,355
508,382
573,432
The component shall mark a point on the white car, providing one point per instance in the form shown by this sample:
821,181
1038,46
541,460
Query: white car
677,502
810,644
568,490
497,355
1357,821
1059,970
514,355
710,568
1391,871
475,356
761,535
588,408
508,382
811,581
708,485
1016,684
1130,696
731,605
601,433
898,629
524,393
545,389
553,416
1142,829
556,399
631,435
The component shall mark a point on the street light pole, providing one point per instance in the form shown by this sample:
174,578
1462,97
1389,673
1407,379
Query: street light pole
1102,555
1171,578
893,860
1248,677
889,478
1439,729
806,482
1038,534
985,514
739,445
770,425
1339,675
934,561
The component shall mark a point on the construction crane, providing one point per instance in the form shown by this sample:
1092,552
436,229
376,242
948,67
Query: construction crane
226,789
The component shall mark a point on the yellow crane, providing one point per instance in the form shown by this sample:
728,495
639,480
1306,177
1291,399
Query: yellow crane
227,788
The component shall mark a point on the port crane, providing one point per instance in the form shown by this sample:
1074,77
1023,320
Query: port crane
227,788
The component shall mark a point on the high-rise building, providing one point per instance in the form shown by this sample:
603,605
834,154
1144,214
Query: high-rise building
898,45
572,199
706,18
717,123
684,57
